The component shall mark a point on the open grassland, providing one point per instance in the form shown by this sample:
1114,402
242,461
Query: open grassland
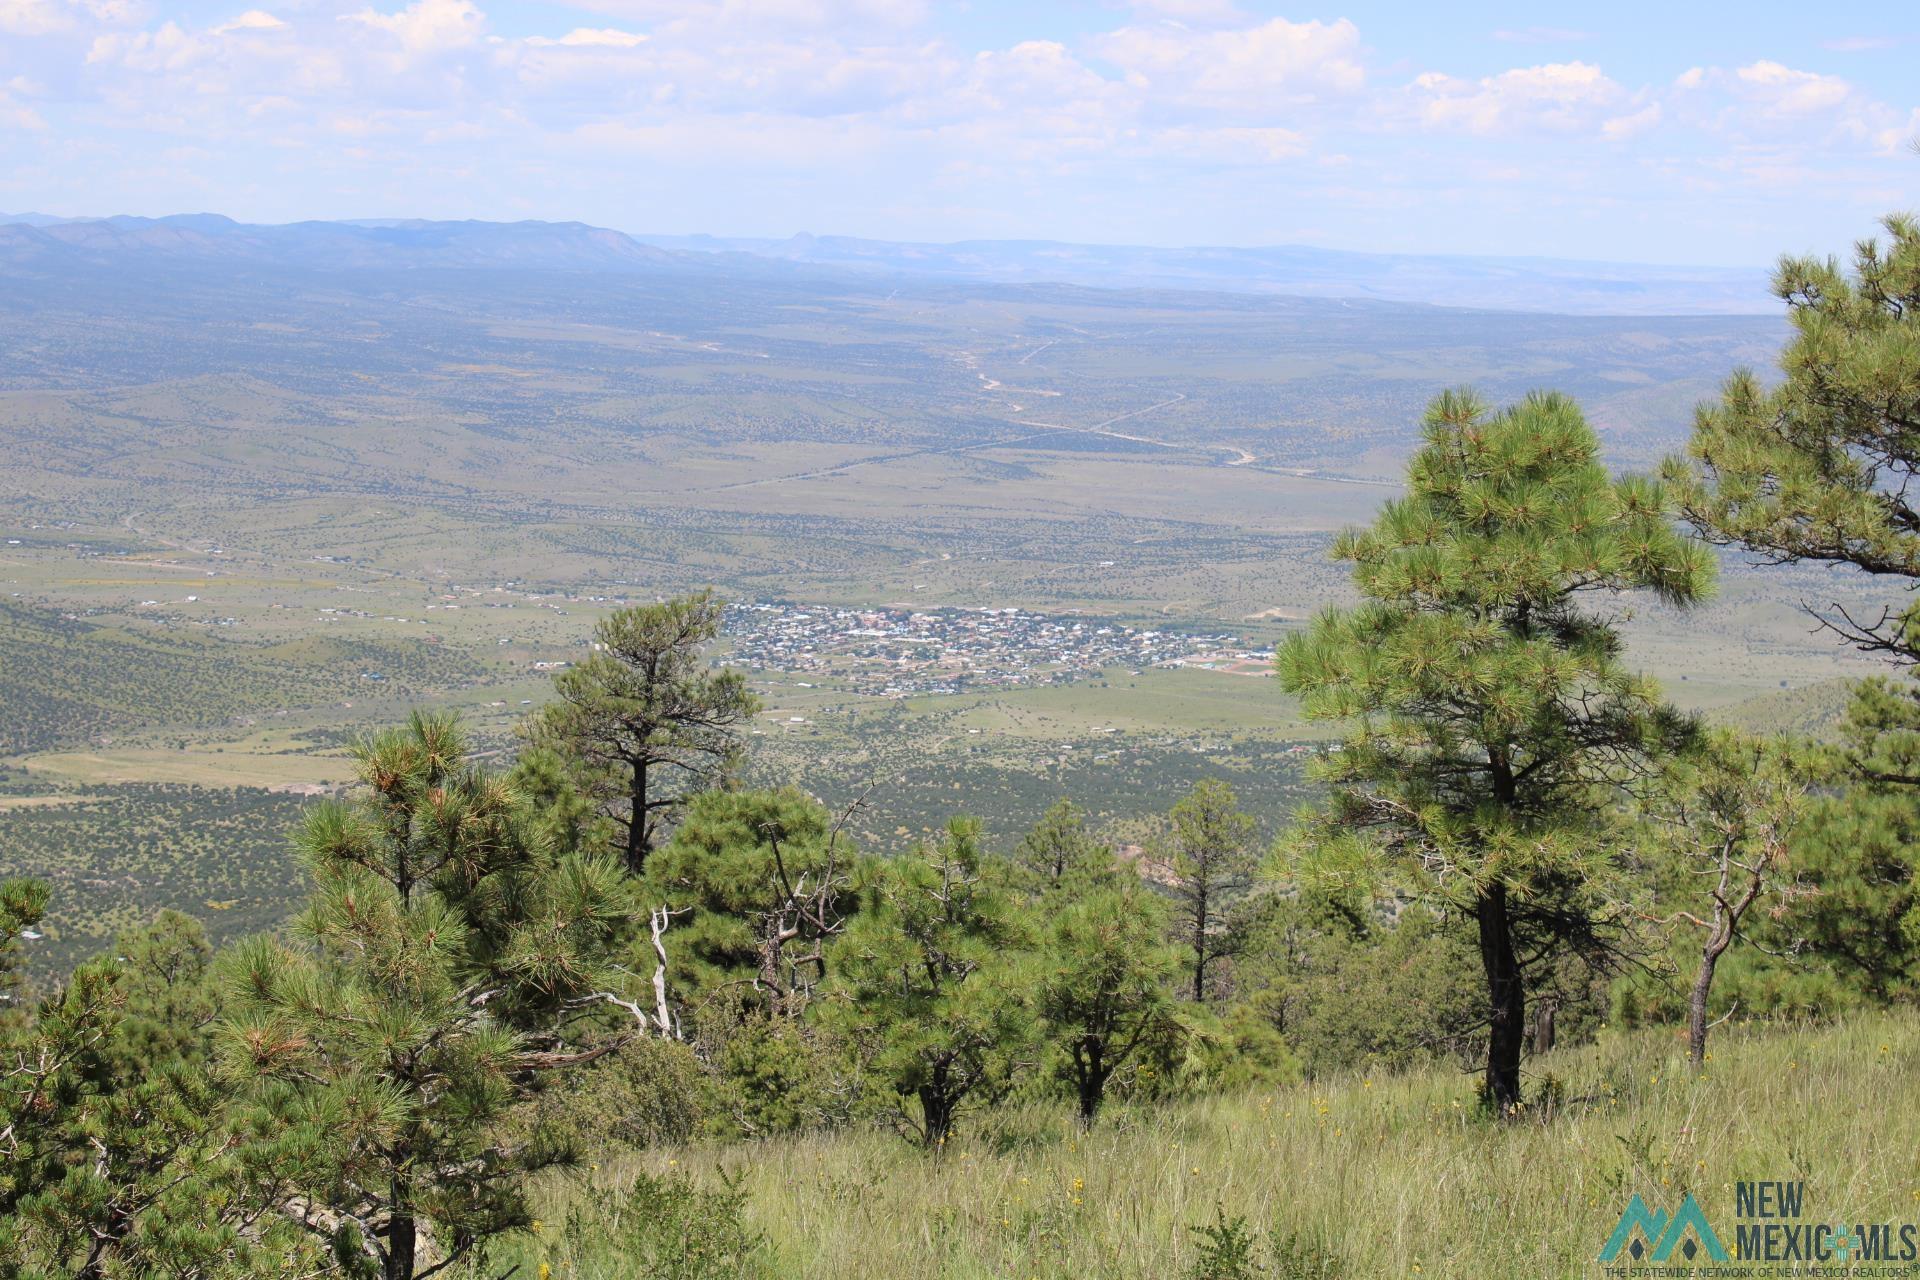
1366,1177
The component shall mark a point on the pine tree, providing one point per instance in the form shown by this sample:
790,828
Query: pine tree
644,720
572,819
1491,715
1103,992
447,954
931,972
1059,855
1212,857
1730,815
760,883
1823,466
118,1154
1859,927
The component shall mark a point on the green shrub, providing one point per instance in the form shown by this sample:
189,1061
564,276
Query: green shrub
1241,1051
665,1227
1229,1250
644,1094
1300,1255
1225,1250
775,1075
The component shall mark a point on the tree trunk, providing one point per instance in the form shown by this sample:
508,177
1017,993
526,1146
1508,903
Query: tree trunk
1093,1085
1544,1012
1200,947
770,972
1506,1000
403,1232
936,1112
105,1240
637,824
1697,1003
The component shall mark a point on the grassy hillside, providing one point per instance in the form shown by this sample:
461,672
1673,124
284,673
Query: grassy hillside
1365,1177
1813,710
65,679
115,855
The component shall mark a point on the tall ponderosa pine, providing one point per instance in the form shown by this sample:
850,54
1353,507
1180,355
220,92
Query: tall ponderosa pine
1059,855
445,956
117,1154
1824,466
1491,713
1211,848
645,719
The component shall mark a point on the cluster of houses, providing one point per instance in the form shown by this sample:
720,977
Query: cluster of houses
890,652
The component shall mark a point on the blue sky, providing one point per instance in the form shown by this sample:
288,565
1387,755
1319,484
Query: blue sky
1701,133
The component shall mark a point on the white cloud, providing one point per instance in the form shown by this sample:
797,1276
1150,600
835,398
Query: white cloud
427,26
251,20
1896,137
1768,102
1556,96
34,17
1202,12
750,16
590,37
1633,124
1245,70
1035,74
1782,90
1229,145
1861,44
169,48
16,114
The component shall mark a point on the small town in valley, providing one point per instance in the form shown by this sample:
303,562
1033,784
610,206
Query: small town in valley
893,652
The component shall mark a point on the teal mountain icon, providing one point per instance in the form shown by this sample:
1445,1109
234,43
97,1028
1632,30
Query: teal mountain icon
1644,1232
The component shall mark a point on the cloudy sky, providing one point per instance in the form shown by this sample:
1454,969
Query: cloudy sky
1666,132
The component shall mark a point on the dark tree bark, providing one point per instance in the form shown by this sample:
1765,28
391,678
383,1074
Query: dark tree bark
1726,919
1697,1009
1200,956
1091,1067
1506,999
938,1109
637,850
403,1232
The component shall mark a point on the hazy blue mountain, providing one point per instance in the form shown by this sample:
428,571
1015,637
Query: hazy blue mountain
1510,284
398,244
40,242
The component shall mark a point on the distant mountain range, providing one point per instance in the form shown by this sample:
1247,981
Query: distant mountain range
1509,284
377,245
38,242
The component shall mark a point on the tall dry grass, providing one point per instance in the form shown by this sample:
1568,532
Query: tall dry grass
1392,1176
